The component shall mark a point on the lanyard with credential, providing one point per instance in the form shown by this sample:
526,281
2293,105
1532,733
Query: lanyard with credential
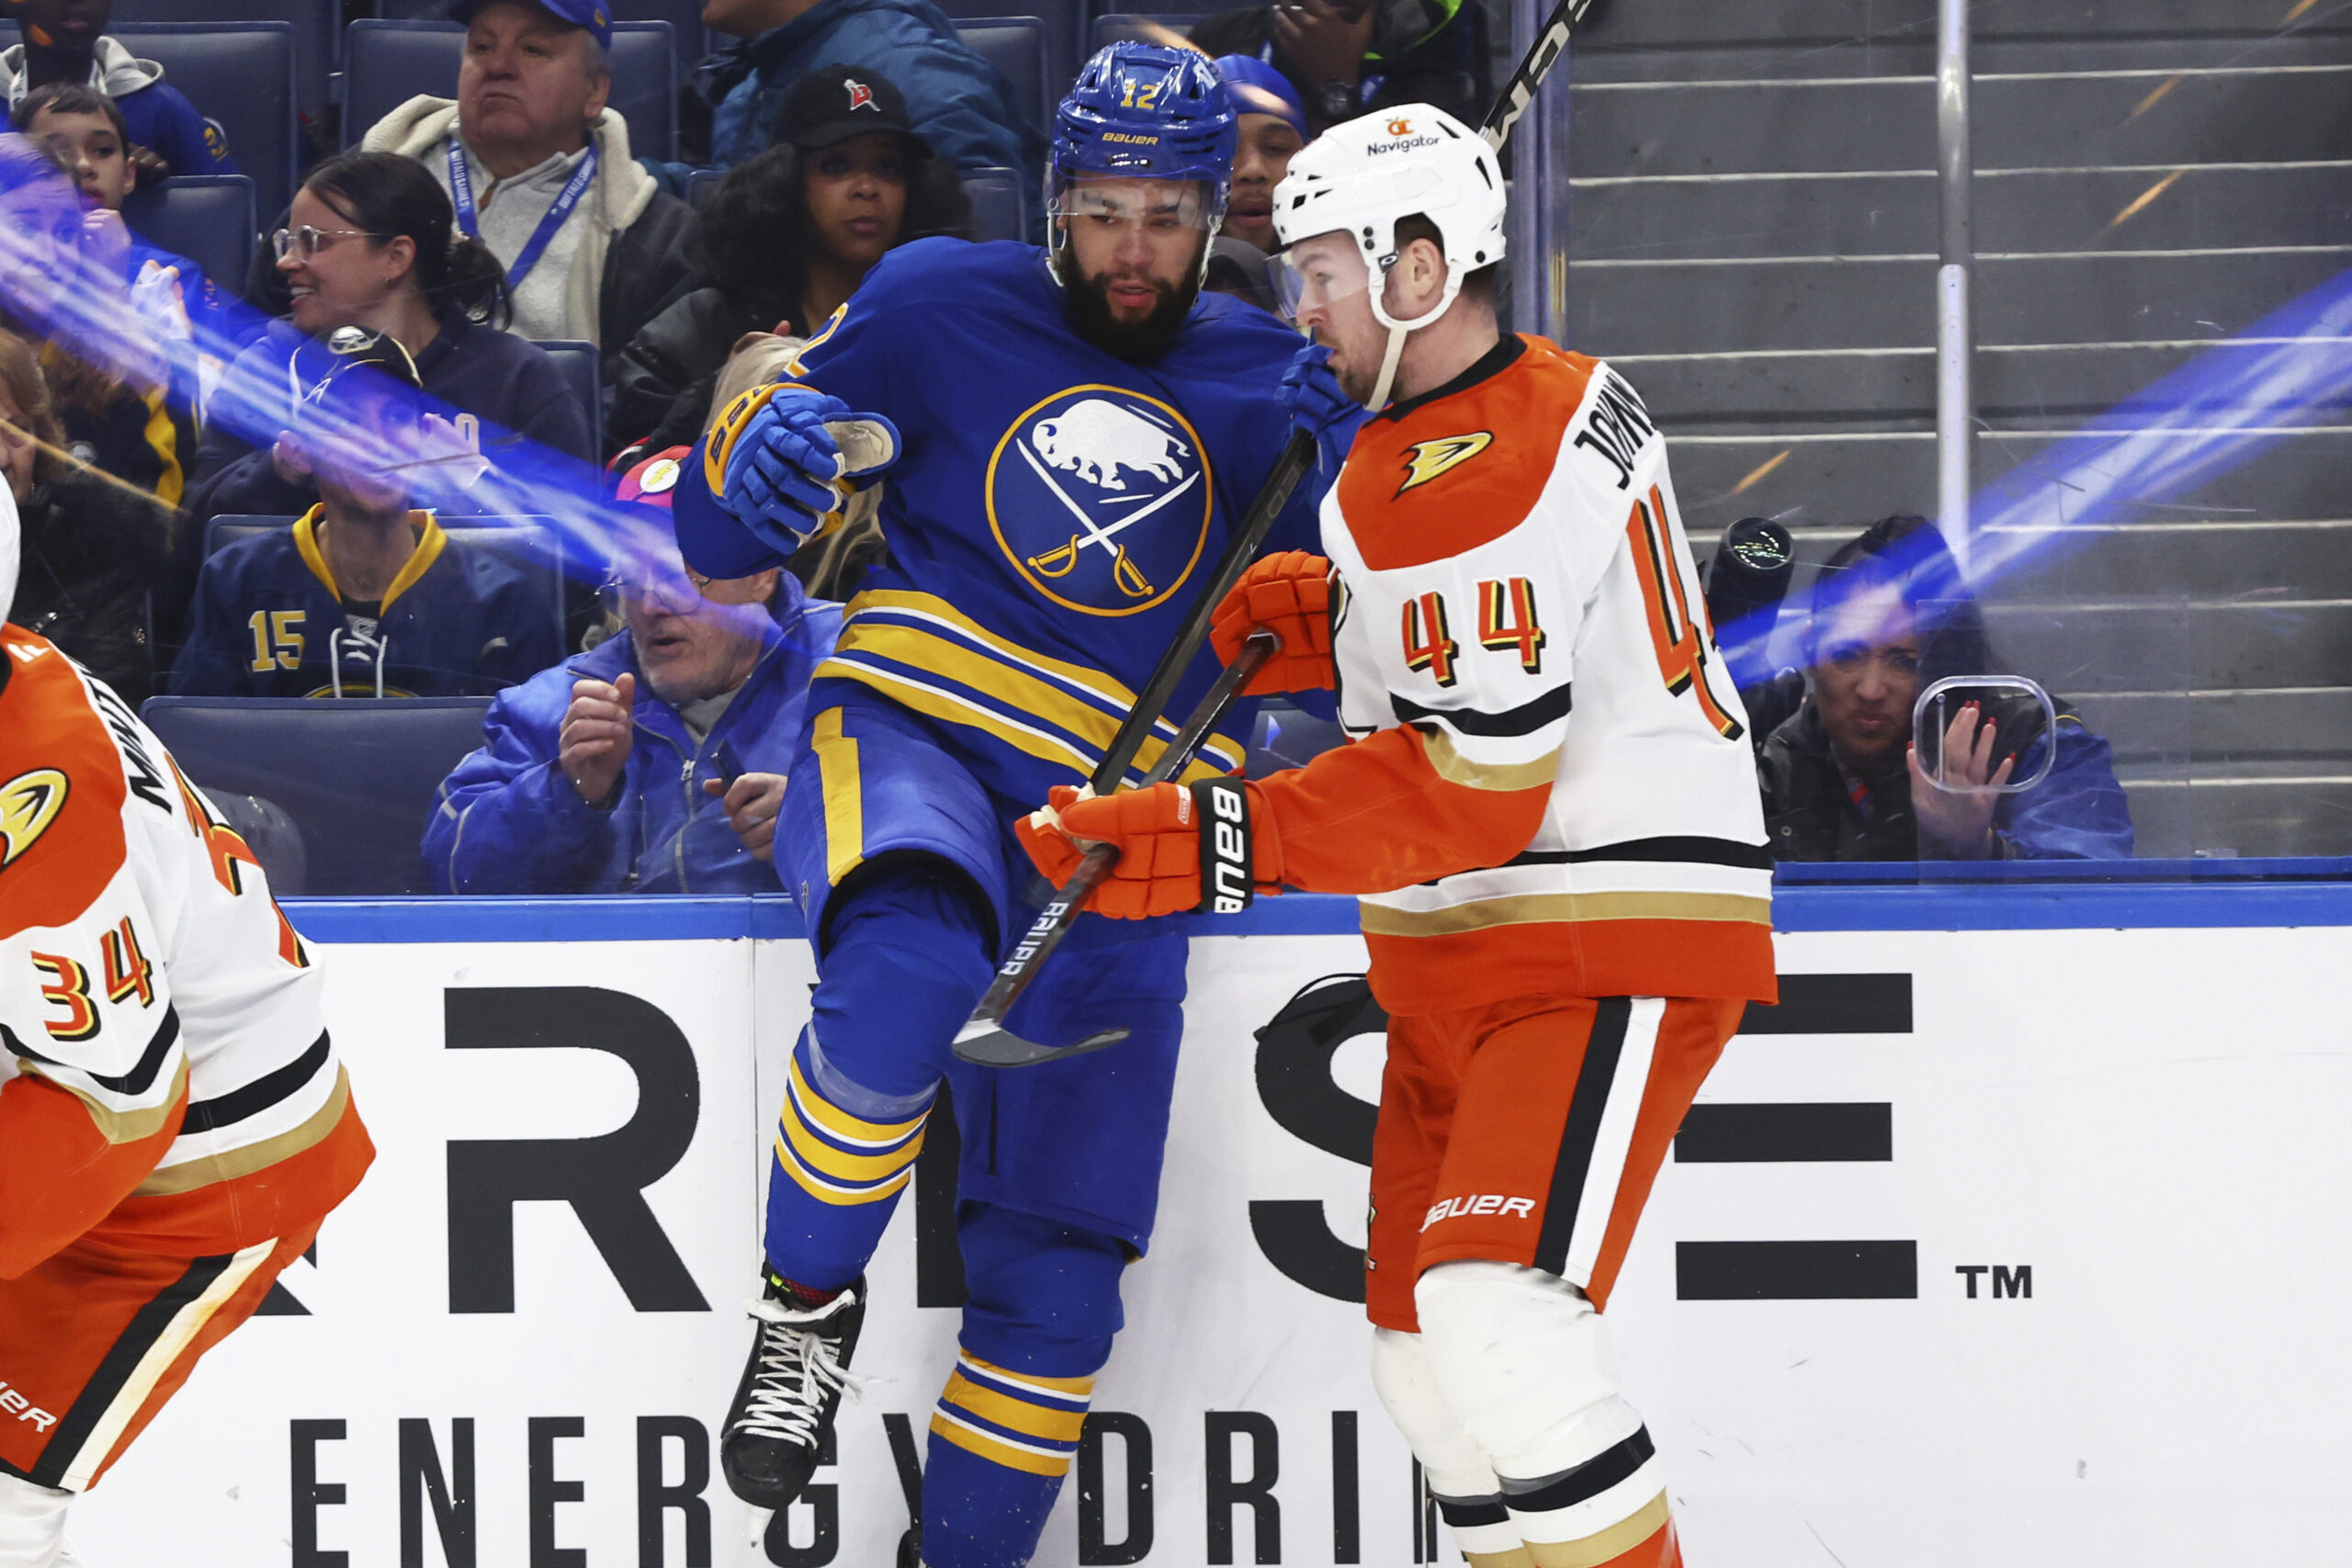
461,197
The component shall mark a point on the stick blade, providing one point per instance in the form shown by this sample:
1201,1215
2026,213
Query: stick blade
992,1045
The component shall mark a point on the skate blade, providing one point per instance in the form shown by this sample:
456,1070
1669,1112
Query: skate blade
1000,1047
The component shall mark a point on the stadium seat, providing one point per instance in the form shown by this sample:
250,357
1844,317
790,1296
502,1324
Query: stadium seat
241,75
583,369
1064,31
318,39
387,64
684,17
702,185
1000,207
209,218
531,545
356,777
1149,27
1157,11
1016,46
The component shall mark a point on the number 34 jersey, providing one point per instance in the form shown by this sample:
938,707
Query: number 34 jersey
1517,587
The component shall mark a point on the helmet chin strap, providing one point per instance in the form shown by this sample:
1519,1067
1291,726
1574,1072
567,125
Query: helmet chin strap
1396,351
1398,331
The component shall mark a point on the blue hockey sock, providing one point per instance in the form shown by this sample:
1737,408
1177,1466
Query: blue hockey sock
907,961
1000,1444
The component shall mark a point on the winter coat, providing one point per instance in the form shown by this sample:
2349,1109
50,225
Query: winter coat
158,118
960,103
508,820
89,552
631,262
2078,812
678,351
1446,68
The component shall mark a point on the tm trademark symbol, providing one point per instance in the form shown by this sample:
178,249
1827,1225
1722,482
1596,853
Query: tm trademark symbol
2007,1281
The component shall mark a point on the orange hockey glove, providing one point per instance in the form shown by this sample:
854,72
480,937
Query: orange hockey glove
1166,860
1290,595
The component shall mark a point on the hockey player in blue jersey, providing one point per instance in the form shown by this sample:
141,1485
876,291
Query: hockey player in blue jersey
1069,435
364,597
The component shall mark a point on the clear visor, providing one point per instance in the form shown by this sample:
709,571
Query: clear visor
1152,206
1312,276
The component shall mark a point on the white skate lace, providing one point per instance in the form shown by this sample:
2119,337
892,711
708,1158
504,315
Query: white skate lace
796,1371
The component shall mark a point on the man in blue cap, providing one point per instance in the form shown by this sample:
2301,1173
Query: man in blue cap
539,169
1272,127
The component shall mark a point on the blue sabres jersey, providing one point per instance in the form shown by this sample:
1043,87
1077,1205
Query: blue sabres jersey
1055,511
269,621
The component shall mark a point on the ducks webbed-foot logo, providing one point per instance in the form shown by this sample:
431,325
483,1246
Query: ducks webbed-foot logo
1101,499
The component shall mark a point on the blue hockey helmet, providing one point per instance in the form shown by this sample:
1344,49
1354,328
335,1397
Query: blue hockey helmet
1146,111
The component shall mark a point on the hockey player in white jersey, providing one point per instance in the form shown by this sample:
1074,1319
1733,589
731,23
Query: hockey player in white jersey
174,1121
1567,911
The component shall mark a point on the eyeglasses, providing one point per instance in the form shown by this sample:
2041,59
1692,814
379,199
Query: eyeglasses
311,242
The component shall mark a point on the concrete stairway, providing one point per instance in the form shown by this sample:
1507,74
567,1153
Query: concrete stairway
1753,241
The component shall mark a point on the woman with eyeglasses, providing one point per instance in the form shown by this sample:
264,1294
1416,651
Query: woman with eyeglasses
371,242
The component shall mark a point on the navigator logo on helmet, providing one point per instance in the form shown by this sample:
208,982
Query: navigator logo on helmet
1361,177
1144,111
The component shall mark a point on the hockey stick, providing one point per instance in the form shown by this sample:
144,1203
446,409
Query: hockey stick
984,1039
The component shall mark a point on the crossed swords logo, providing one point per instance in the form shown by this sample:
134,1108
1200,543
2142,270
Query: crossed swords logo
1060,562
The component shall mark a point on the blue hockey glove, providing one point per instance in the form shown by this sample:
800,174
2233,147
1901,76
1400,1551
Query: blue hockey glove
776,459
1312,396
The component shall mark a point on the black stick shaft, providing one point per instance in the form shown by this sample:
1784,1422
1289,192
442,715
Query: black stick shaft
1053,922
1282,479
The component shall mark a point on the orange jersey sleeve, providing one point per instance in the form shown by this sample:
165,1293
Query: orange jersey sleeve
64,1170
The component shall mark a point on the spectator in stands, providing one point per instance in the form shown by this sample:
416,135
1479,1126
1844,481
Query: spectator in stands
1841,779
363,597
960,103
61,286
593,248
1349,57
371,243
89,547
84,128
653,763
785,240
64,42
1273,127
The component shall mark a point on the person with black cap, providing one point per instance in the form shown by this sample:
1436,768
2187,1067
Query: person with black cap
787,239
538,168
364,597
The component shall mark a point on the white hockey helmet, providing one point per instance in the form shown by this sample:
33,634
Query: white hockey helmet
1361,176
10,529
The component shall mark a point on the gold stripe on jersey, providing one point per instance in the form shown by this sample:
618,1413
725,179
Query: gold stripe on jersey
844,789
1532,908
822,1160
119,1126
1016,685
431,541
837,1124
1605,1545
230,1164
1454,768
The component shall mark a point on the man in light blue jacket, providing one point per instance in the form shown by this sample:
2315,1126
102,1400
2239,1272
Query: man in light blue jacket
652,763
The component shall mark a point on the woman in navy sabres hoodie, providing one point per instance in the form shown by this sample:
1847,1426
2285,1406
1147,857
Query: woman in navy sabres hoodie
371,242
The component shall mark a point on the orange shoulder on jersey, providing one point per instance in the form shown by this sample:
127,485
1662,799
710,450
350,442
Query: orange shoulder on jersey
1397,808
1496,442
60,790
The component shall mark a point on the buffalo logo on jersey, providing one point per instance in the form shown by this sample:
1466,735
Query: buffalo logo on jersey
28,804
1432,459
1100,498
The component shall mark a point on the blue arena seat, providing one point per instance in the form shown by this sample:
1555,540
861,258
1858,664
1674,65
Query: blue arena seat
1064,31
531,545
702,184
212,220
1150,26
356,777
1016,46
387,64
240,74
684,17
999,204
1182,18
583,371
318,39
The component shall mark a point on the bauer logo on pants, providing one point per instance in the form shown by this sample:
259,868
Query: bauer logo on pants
1100,498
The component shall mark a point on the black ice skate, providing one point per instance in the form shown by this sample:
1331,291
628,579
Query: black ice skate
791,1387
